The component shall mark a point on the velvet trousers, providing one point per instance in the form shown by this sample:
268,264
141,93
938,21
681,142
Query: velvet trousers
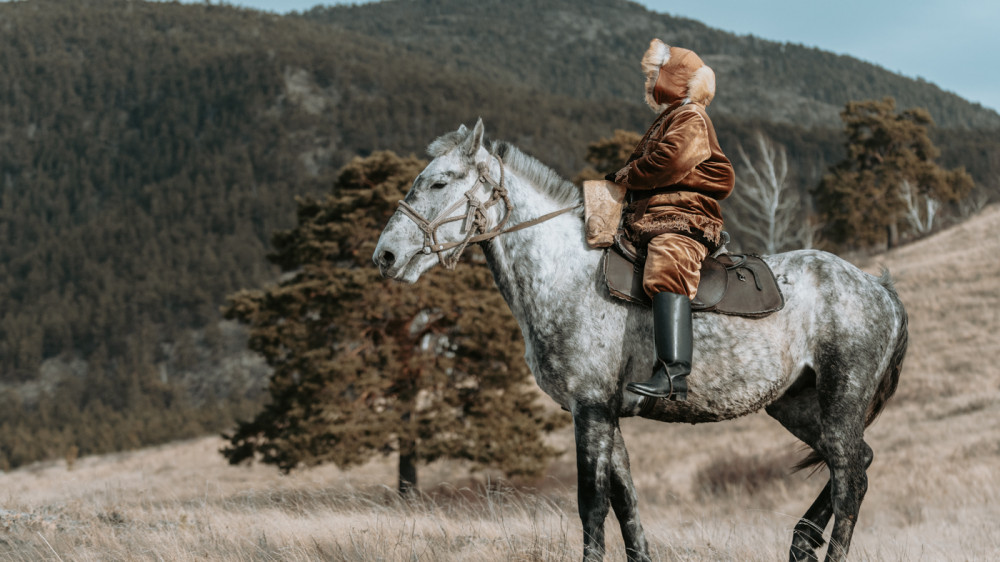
673,265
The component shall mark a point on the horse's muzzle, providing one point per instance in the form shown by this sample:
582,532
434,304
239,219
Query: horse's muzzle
384,260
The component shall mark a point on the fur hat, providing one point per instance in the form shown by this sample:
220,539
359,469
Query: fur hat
675,74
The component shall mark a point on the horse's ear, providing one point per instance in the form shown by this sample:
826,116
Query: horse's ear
475,140
462,130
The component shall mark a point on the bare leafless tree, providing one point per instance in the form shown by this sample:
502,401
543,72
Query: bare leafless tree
919,209
767,208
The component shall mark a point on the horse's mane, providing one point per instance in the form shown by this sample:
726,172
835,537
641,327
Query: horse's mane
544,178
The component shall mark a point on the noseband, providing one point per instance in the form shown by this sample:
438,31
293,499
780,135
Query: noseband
475,218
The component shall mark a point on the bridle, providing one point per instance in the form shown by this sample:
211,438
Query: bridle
475,218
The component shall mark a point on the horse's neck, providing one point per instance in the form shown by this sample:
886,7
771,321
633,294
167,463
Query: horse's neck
538,268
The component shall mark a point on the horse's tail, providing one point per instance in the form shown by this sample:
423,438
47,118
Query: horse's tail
890,377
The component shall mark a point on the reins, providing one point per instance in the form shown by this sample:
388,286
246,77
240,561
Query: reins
475,218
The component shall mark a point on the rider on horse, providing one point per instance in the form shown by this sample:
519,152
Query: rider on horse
675,178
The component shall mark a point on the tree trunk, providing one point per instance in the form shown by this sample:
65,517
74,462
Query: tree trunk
892,237
407,467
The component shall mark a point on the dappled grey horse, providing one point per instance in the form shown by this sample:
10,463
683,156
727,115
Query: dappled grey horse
823,366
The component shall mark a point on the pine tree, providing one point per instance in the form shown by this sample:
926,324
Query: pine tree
364,366
608,154
888,175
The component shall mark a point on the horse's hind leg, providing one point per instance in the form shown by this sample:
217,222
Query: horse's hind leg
798,412
829,418
808,535
842,407
848,458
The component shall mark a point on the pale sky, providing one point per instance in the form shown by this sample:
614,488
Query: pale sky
952,43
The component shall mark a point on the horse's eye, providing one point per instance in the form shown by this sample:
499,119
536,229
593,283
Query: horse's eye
438,185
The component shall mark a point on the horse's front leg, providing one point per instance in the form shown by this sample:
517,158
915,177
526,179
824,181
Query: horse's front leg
594,426
625,502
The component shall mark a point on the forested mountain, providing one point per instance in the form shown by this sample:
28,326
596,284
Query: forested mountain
148,150
591,50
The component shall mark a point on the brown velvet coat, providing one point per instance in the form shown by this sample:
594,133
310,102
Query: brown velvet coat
677,174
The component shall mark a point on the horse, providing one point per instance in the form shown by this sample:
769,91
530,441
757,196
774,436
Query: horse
823,366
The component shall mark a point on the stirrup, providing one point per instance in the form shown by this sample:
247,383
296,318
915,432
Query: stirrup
676,390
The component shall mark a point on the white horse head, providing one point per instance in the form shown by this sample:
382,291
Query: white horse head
451,201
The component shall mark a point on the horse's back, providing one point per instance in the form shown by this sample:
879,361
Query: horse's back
839,305
832,286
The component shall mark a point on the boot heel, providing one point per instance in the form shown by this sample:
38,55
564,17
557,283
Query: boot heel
679,388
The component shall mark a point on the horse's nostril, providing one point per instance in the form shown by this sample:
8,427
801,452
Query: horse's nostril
387,259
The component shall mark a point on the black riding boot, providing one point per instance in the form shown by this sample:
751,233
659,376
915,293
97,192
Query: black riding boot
672,336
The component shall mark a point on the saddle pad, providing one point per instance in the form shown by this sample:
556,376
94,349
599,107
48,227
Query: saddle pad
739,285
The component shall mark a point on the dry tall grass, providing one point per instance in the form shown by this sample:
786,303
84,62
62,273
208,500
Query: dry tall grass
709,492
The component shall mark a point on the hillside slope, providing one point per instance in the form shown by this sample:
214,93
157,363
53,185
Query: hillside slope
591,49
950,283
707,493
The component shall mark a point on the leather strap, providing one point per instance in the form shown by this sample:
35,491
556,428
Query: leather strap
493,234
474,217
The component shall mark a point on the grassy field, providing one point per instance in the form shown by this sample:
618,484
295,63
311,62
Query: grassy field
710,492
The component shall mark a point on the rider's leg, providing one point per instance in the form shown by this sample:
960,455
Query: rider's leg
672,336
671,276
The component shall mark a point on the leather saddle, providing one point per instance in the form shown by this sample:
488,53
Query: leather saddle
735,284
